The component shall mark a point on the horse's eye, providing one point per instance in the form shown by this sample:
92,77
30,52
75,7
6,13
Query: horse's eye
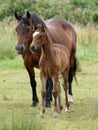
28,29
40,36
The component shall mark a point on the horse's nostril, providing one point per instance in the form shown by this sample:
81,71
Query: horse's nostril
20,48
32,48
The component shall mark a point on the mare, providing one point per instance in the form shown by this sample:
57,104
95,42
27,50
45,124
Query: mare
61,32
54,60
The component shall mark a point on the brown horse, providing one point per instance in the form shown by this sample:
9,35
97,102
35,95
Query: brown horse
61,32
54,60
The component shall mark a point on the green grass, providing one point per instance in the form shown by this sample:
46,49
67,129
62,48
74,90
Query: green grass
15,100
7,39
15,90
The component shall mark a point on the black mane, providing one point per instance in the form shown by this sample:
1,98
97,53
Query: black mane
35,19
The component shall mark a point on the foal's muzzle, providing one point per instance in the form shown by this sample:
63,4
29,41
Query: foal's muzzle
33,49
20,49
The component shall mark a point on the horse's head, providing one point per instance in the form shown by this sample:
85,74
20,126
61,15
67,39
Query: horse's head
39,38
24,31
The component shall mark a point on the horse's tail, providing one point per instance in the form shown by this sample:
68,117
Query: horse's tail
75,69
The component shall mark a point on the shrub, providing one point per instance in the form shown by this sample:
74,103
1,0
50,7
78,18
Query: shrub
7,39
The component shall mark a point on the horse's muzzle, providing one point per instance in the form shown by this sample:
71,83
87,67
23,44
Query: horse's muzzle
20,49
33,49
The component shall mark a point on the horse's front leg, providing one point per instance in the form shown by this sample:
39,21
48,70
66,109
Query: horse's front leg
43,94
55,95
33,85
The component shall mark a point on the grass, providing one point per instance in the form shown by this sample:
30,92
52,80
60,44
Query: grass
15,95
15,90
7,39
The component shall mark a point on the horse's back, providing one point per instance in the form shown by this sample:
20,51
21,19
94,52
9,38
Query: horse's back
62,32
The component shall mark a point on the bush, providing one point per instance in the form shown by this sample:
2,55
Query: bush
7,39
82,12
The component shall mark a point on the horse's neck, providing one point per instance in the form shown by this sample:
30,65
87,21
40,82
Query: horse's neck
47,50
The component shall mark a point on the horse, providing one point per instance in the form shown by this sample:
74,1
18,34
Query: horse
54,61
61,32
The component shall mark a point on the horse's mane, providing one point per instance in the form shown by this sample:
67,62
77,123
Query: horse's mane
35,19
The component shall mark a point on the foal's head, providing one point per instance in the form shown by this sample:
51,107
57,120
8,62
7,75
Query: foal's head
39,38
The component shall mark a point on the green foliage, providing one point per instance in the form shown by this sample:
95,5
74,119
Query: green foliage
76,11
7,39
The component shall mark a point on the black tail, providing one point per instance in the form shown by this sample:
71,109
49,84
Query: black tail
75,69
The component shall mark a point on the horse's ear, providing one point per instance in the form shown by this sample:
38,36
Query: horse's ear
44,27
18,17
28,14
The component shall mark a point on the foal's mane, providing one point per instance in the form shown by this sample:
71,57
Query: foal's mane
44,27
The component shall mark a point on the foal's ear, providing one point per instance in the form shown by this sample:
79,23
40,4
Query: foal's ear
28,14
18,17
41,27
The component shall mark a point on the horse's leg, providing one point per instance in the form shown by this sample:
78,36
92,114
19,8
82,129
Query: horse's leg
43,94
65,77
71,74
59,97
49,87
70,79
55,95
33,85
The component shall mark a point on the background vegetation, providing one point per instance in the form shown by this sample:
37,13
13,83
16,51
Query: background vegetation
76,11
15,91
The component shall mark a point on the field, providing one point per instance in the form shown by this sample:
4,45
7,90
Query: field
15,90
15,95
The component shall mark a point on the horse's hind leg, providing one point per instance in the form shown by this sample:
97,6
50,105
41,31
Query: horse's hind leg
71,74
59,97
49,87
55,95
33,86
65,77
70,79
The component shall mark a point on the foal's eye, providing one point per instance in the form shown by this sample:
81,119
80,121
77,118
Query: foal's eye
40,37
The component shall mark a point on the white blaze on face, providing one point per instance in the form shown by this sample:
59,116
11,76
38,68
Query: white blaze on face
35,33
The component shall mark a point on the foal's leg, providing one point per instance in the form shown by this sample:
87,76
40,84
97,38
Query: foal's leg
33,85
59,97
65,77
43,94
55,94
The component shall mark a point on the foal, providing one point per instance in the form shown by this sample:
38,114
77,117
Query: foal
54,60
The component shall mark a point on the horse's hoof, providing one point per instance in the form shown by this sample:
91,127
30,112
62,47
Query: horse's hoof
55,115
34,104
41,115
61,107
67,110
70,99
47,104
